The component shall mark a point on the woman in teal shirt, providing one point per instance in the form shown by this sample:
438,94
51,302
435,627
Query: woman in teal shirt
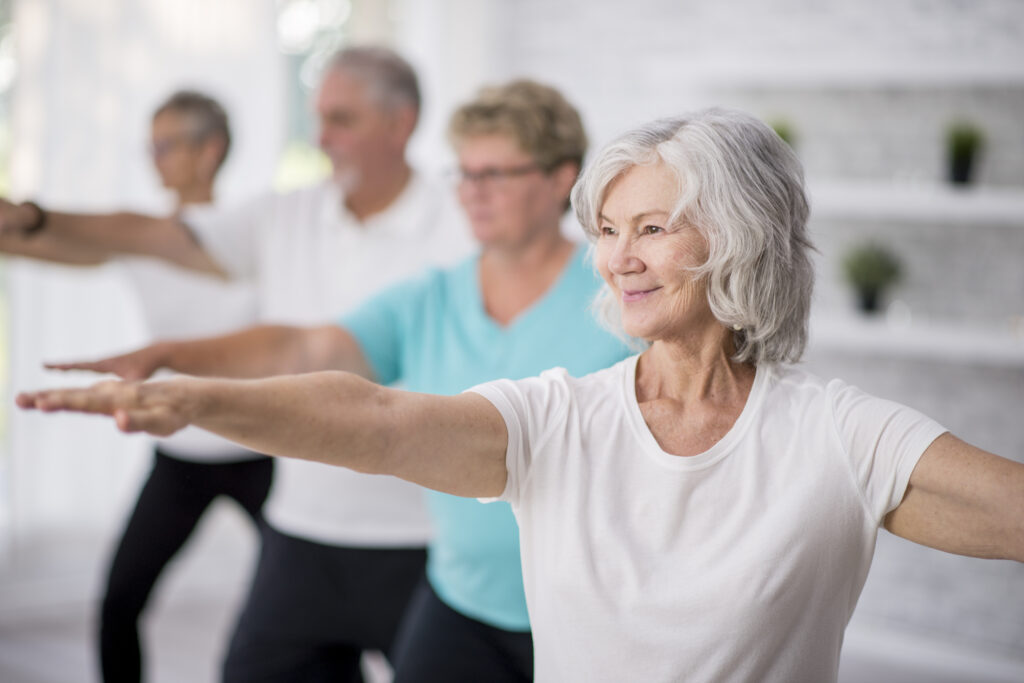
518,307
521,305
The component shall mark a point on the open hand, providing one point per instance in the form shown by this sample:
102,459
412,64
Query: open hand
134,366
158,408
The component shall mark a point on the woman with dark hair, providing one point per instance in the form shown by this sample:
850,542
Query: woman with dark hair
190,138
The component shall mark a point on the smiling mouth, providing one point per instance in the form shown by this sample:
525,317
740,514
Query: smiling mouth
629,295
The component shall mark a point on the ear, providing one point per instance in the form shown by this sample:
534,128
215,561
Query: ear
210,154
403,123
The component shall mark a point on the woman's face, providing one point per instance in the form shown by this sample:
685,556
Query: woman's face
507,197
644,259
176,154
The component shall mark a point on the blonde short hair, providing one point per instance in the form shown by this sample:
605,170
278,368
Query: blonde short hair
537,116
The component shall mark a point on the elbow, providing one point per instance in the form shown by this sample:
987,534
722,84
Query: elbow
365,413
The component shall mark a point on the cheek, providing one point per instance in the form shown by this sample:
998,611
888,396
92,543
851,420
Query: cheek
602,252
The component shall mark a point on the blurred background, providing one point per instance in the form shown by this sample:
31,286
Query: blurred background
886,102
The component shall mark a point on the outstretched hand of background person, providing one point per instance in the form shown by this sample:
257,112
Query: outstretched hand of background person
158,408
134,366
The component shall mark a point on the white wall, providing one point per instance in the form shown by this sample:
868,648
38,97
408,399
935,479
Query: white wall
90,73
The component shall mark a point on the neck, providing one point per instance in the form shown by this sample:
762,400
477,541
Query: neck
200,193
696,368
529,256
512,279
375,192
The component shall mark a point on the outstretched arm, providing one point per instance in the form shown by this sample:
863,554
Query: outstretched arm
454,444
963,500
261,351
46,247
81,238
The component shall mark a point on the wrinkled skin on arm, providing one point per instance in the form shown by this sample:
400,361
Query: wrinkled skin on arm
963,500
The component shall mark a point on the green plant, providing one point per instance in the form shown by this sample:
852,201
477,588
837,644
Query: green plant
871,269
964,141
963,138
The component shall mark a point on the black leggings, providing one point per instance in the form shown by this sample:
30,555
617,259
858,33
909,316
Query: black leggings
313,609
436,644
170,504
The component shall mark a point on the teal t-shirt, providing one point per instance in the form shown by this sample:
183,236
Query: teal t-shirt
431,333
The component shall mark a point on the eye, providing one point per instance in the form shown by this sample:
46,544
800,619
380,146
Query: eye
652,230
607,231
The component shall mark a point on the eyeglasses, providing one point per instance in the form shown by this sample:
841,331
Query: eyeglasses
160,148
493,177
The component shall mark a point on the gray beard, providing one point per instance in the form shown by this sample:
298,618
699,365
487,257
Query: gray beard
346,179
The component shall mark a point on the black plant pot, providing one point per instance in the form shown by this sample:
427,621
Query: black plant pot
960,166
867,300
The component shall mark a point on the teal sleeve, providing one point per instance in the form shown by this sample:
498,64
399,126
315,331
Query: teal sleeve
382,326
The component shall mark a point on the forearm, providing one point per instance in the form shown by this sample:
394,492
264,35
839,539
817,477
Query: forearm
126,233
265,351
45,247
330,417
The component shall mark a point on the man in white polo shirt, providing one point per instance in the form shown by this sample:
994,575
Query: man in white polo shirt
341,551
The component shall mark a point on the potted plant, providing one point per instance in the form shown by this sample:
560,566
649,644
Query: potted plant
871,269
964,141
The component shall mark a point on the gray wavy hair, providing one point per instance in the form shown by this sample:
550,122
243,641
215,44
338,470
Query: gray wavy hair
743,188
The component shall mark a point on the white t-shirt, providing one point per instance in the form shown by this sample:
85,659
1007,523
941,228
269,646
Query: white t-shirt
179,304
311,261
742,563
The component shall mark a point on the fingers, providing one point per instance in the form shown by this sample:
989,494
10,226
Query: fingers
159,421
102,398
93,366
122,366
135,407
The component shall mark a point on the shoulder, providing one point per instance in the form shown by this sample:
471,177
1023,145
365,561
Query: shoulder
555,392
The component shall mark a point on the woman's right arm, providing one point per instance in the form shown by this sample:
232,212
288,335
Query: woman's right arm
454,444
261,351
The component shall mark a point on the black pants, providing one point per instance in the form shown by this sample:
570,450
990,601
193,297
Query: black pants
314,608
169,506
436,644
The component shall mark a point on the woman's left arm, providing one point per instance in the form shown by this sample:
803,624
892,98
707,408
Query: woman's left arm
963,500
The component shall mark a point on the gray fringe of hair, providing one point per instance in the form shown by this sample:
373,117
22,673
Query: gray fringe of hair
742,187
391,77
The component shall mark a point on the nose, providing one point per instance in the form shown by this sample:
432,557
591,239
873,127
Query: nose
623,258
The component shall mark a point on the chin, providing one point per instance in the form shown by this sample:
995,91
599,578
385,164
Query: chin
345,178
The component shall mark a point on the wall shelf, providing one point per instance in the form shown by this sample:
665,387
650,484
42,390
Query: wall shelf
953,343
915,202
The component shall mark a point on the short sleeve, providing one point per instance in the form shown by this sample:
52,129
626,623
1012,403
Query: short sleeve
531,409
883,440
230,235
384,324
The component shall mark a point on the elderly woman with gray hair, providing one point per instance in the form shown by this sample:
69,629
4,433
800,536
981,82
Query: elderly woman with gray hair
702,511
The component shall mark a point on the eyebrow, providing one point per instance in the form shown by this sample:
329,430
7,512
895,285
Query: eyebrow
638,217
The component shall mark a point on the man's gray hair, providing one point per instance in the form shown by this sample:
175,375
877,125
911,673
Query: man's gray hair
391,78
743,189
